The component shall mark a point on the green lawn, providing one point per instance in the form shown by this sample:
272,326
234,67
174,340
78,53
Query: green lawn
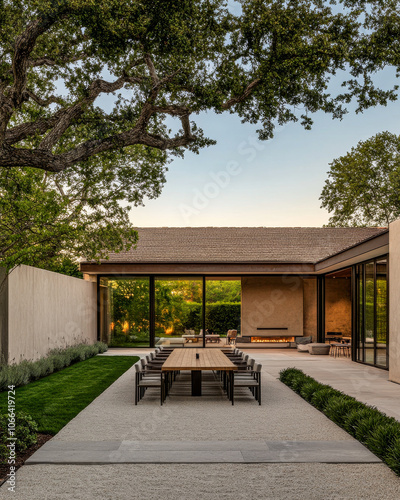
54,400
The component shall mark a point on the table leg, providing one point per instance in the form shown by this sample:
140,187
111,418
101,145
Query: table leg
196,382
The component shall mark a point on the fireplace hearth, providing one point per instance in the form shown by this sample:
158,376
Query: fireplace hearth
272,340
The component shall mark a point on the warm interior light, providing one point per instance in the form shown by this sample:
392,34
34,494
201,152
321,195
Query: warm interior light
272,340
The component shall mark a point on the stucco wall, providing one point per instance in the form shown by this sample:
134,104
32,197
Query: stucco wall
48,310
310,308
394,301
338,306
272,302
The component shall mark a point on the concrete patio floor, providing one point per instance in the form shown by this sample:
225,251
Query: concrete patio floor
307,453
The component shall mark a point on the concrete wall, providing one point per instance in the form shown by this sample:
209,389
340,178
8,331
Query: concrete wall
310,308
272,302
48,310
394,301
338,306
3,315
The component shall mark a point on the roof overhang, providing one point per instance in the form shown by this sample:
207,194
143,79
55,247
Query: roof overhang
369,249
194,268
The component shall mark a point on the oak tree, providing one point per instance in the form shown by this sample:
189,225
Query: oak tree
158,63
363,188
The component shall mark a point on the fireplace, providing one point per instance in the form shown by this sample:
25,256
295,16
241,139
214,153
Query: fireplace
272,340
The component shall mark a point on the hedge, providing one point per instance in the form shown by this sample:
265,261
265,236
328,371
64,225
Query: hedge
57,359
378,432
220,316
25,433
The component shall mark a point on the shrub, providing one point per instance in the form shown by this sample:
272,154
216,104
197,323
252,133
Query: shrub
339,406
383,438
287,374
56,360
309,389
353,419
322,396
25,432
380,433
392,456
367,426
298,381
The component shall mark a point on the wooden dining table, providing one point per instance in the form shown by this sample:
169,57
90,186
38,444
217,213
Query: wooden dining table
196,361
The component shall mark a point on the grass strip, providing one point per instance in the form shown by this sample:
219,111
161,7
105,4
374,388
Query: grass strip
375,430
56,399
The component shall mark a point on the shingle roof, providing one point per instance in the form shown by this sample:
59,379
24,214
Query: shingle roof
241,244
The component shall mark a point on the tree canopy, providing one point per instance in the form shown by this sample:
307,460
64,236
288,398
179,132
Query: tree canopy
363,188
67,161
272,63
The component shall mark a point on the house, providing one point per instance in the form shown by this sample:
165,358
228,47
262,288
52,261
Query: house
294,282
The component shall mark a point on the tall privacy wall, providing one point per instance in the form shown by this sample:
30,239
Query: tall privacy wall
42,310
394,301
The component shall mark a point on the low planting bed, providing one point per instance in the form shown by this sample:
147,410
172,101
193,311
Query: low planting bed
378,432
43,407
57,359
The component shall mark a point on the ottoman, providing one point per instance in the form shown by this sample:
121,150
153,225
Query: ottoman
303,347
315,348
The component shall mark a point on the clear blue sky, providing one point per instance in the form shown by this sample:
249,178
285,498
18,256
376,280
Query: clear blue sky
272,183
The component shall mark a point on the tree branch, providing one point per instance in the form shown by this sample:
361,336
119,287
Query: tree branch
47,61
152,70
70,114
236,100
24,45
42,102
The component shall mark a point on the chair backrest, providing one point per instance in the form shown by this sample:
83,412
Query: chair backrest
137,368
151,355
246,358
143,362
257,367
233,334
148,358
251,362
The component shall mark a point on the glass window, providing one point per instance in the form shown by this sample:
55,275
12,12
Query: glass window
371,327
369,308
381,312
178,308
125,312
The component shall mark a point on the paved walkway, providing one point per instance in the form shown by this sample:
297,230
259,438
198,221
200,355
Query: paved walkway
284,449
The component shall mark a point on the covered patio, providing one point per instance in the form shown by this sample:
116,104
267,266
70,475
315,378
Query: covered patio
318,283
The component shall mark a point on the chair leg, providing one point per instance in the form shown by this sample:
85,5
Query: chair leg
232,384
136,388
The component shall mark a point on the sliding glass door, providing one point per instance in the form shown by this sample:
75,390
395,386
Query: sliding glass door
371,328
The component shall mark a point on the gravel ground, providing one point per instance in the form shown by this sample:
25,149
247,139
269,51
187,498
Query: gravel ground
206,482
282,416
